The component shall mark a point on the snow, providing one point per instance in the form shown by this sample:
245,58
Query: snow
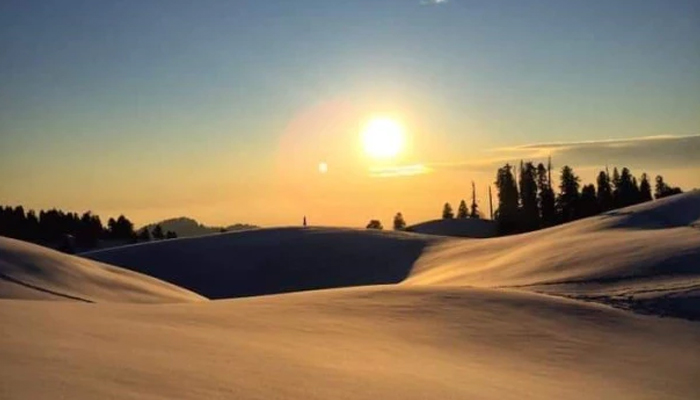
498,318
470,228
360,343
29,271
268,261
645,257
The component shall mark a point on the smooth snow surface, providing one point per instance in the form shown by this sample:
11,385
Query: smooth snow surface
28,271
468,228
466,323
269,261
645,257
359,343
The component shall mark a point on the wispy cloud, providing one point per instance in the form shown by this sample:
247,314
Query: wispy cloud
641,152
401,170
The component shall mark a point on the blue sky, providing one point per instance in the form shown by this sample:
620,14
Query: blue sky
174,85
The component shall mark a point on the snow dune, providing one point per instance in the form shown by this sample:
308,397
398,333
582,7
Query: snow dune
359,343
28,271
278,260
468,228
645,257
470,318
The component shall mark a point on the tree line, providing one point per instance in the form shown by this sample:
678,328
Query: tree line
463,211
528,201
69,230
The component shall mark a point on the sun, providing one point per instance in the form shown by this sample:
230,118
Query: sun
383,138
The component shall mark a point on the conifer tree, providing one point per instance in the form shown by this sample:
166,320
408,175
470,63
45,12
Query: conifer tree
474,213
462,211
447,212
588,204
664,190
626,190
545,197
616,188
158,233
399,222
604,193
375,224
144,235
528,196
507,213
645,189
567,200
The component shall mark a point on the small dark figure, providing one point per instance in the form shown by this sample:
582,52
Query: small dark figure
304,220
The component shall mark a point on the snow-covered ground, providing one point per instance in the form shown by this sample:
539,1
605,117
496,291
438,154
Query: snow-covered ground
469,228
468,320
645,257
28,271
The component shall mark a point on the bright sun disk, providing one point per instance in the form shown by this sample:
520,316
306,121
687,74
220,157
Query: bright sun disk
383,138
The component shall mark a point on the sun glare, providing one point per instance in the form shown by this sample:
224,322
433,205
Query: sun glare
383,138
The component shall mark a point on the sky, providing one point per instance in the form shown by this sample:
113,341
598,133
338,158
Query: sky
223,110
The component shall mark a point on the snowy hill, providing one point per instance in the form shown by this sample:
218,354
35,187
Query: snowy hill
468,228
498,318
359,343
268,261
645,257
29,271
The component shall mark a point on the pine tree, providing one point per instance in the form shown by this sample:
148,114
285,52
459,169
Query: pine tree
144,235
626,189
462,211
474,213
567,200
375,224
447,212
545,197
604,194
158,233
32,226
664,190
645,189
588,203
616,188
399,222
507,213
528,196
123,229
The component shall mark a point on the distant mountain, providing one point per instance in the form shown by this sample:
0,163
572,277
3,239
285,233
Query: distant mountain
186,227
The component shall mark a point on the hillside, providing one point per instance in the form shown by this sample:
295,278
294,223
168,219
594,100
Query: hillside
498,318
29,271
360,343
275,260
645,257
467,228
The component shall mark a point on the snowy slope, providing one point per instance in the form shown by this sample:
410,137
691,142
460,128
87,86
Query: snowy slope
277,260
384,342
468,228
28,271
435,335
645,257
